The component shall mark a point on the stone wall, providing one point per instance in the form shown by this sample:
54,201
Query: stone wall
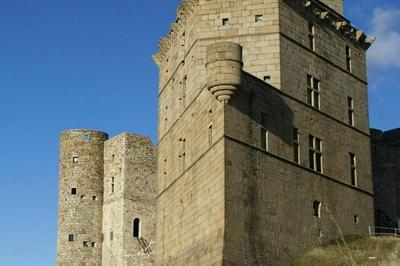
256,193
129,193
140,200
104,185
113,207
327,63
336,5
190,205
270,197
386,172
80,198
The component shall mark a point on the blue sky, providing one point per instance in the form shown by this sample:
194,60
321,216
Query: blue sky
87,64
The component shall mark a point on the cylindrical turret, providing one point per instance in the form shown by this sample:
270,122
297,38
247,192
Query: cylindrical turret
224,69
80,198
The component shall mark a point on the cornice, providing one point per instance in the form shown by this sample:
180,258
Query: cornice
339,23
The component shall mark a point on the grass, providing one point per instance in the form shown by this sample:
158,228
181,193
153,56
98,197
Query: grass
381,251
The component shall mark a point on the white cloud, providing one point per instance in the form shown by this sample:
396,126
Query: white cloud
385,52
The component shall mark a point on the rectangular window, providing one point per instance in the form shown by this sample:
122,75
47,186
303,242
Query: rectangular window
112,184
315,153
348,58
183,96
353,169
311,36
75,159
350,110
263,139
111,235
296,146
71,238
263,132
317,208
225,21
210,135
258,18
182,155
85,244
313,92
73,191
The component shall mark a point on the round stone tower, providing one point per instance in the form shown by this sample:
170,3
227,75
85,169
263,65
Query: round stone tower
224,69
80,198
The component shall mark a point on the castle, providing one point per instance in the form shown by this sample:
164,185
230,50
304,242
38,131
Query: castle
263,145
106,213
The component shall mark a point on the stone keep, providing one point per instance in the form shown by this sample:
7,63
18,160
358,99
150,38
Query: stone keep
264,145
106,199
129,195
80,196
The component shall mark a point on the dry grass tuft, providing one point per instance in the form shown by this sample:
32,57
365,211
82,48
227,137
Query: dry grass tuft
382,251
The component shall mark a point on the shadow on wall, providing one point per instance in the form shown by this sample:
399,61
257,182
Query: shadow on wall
386,172
254,106
263,104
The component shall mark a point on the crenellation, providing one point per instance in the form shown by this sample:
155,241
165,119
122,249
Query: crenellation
183,13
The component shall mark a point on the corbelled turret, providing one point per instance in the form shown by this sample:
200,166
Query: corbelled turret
224,69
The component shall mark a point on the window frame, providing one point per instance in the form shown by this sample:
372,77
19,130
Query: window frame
137,226
315,151
311,35
349,66
226,21
264,134
350,111
314,92
353,169
112,185
258,18
296,146
75,159
317,209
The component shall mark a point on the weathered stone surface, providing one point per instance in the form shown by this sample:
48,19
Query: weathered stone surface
129,193
222,198
224,69
336,5
80,214
233,86
115,184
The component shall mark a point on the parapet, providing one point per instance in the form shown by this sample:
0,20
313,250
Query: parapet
183,13
325,11
224,69
86,134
